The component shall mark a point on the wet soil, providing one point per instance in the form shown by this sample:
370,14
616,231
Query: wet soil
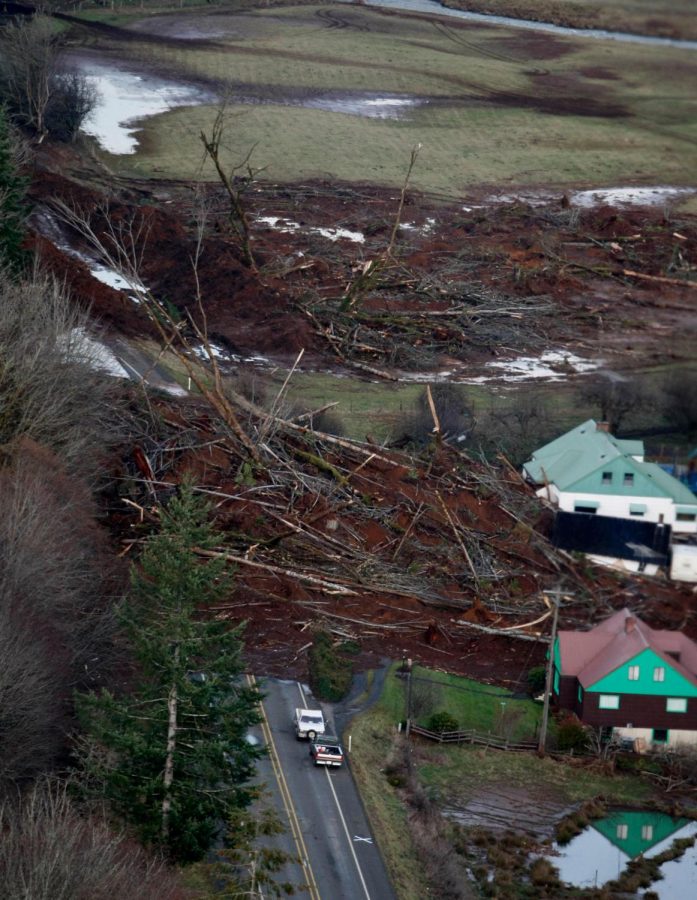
573,262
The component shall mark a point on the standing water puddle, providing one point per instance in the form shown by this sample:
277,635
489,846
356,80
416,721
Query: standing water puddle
123,98
601,852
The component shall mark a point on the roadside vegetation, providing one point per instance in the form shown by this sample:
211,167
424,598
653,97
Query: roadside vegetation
414,792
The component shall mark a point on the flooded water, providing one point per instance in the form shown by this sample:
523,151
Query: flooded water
601,852
125,97
369,108
435,9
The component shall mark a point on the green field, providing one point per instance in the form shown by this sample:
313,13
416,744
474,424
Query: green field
672,18
494,109
470,703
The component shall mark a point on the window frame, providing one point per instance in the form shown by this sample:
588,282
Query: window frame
628,479
659,674
681,701
633,673
606,697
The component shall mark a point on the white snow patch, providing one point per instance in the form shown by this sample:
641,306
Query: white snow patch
216,350
124,98
629,196
287,226
81,347
547,366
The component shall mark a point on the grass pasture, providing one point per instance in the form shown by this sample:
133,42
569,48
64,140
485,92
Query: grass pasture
675,18
492,105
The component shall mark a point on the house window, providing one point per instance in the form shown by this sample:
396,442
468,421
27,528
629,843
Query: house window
659,673
581,508
628,479
622,832
676,704
634,673
607,477
647,832
660,736
685,517
609,701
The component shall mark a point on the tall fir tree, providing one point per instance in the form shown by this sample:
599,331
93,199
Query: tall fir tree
12,190
171,756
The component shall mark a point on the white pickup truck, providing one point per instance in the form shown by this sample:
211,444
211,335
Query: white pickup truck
308,723
326,751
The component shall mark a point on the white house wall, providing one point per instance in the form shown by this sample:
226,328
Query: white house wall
617,507
676,737
623,565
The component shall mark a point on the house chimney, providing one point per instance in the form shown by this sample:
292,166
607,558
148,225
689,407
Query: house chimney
602,426
629,624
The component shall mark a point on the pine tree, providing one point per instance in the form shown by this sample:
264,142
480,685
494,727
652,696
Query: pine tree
171,755
12,213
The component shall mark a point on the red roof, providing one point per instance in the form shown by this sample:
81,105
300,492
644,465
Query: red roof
590,655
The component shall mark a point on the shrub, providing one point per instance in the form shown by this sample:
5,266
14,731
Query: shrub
72,100
571,735
536,680
330,671
443,721
542,872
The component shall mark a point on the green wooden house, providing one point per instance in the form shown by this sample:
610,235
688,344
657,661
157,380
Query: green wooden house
631,680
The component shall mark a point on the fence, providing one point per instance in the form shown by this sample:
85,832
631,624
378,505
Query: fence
471,736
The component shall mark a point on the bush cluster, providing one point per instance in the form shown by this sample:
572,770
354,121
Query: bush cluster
330,669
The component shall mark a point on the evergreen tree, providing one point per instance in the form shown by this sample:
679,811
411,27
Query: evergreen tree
171,756
12,187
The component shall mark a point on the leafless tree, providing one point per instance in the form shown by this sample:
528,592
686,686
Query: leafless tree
454,418
51,388
679,401
72,99
425,697
28,60
516,427
57,589
236,182
51,850
617,399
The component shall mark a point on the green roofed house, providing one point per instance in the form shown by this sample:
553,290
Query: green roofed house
587,470
630,680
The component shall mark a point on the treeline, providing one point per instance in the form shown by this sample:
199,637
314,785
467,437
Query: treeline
124,715
519,422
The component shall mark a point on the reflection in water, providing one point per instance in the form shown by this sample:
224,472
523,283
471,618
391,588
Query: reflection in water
600,853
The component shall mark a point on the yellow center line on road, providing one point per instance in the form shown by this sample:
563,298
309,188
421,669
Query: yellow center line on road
287,800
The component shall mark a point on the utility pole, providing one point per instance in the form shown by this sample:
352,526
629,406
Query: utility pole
409,664
556,594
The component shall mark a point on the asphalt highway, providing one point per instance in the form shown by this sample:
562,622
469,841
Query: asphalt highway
327,829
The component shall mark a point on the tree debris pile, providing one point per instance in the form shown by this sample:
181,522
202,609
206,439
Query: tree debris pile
431,557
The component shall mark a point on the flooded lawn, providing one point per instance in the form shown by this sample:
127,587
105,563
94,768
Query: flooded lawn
126,97
601,852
